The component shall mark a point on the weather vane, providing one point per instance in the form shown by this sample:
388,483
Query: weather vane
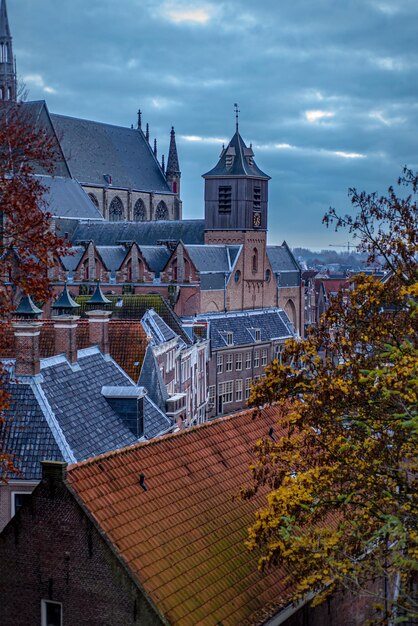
237,112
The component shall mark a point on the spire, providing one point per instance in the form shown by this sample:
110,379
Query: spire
8,88
139,119
162,163
4,21
147,132
173,168
155,148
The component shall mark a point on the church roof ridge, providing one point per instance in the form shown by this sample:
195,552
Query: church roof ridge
4,21
236,160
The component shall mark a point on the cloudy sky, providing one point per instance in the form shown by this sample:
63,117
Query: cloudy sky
327,89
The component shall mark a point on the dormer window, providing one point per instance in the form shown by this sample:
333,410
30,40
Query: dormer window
257,334
230,155
229,339
224,199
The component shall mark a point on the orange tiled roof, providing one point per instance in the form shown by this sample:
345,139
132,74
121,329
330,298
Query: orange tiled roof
183,538
127,343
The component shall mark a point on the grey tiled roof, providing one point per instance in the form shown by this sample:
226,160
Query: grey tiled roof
89,424
93,150
66,198
27,434
281,259
150,378
241,165
70,261
212,258
155,421
212,282
154,325
155,256
273,324
144,233
112,256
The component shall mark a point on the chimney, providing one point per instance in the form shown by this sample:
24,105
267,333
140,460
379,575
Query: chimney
65,327
99,329
27,347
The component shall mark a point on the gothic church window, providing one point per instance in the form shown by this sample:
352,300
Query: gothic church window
140,213
4,53
161,212
116,210
94,199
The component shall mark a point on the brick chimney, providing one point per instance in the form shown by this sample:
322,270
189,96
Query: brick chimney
65,327
99,329
27,347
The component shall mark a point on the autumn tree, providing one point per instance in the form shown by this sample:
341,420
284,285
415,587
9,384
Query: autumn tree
342,507
28,246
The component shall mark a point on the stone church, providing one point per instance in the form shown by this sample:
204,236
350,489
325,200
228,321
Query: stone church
121,209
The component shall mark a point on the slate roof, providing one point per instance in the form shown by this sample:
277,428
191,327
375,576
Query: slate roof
213,258
62,414
66,198
281,259
134,307
151,379
71,261
106,233
243,163
93,150
183,538
157,328
273,324
26,434
156,257
112,256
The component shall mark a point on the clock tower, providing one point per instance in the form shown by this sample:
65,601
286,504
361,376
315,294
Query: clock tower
236,199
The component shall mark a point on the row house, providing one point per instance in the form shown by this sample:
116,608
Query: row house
242,344
182,368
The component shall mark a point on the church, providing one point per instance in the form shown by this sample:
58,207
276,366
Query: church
121,210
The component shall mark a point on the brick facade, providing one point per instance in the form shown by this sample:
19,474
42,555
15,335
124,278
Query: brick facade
74,566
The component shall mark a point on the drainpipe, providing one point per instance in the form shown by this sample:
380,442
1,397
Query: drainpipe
225,281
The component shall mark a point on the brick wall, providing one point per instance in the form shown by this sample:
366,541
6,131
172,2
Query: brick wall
50,550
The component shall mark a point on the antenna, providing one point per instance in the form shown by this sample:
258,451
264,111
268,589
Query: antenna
237,112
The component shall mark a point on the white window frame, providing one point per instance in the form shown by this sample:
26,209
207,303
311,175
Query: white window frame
248,360
226,391
229,361
238,362
248,383
230,338
43,611
211,394
220,363
264,356
12,499
257,334
257,358
238,390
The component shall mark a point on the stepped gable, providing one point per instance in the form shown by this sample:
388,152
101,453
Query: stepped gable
183,538
94,150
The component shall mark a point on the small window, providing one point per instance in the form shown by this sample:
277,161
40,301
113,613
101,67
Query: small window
248,360
257,334
238,362
238,390
228,363
18,500
248,383
268,276
230,338
51,613
211,394
219,363
256,358
264,357
224,199
255,261
237,276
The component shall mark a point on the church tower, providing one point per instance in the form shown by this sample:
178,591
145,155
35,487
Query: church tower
236,195
8,87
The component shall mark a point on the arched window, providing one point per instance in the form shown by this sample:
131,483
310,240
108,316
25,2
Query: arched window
140,212
161,212
129,271
9,93
174,186
86,270
116,210
2,94
255,260
94,199
290,311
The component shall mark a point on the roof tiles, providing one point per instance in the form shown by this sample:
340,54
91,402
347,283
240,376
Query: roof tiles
183,538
